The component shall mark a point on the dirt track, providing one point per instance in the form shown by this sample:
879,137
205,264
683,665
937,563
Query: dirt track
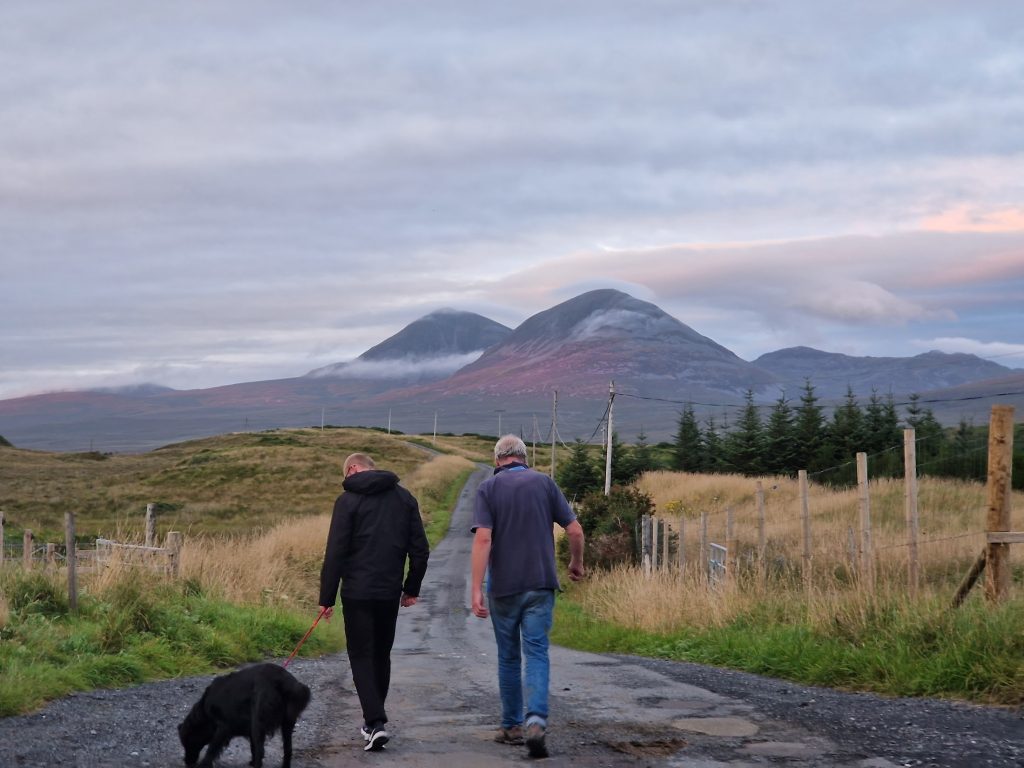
611,711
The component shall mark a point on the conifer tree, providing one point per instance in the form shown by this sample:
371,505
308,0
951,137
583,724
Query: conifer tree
641,458
744,446
808,429
846,432
579,475
711,443
688,453
780,443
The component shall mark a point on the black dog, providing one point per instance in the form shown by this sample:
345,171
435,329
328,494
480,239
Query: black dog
254,702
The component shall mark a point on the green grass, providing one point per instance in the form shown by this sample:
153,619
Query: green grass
438,508
975,653
137,630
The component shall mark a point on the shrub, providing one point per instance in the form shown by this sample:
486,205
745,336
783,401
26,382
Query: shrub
610,524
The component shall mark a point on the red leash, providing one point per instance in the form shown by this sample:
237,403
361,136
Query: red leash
308,633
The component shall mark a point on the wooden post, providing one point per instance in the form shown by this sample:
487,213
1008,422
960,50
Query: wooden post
762,537
51,555
910,490
72,560
174,543
150,525
805,516
26,550
645,544
732,548
1000,464
704,542
2,553
867,571
654,543
972,576
666,529
682,544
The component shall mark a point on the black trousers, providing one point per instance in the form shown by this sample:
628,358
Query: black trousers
370,634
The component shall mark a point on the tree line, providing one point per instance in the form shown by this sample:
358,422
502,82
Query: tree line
799,435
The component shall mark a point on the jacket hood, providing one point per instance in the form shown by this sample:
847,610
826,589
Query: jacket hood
370,481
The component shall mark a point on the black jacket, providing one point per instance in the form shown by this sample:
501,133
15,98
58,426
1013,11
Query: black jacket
376,524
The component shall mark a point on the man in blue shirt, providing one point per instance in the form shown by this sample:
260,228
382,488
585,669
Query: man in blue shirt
513,521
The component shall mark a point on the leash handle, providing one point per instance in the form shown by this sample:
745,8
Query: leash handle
308,633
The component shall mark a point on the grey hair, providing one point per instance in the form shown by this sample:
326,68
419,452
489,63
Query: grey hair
509,446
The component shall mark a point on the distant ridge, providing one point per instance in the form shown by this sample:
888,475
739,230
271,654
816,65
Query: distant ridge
831,373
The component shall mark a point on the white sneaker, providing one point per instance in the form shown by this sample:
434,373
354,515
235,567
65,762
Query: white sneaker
376,740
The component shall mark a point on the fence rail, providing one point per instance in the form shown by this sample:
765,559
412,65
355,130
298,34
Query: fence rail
103,555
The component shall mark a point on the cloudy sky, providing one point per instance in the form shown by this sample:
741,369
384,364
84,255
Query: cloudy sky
203,193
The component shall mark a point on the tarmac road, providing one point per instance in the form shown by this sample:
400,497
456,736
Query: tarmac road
607,711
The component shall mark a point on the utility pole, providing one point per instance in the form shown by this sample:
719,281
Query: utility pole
321,419
533,461
608,454
500,411
554,432
434,441
389,421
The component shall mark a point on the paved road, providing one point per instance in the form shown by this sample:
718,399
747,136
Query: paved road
606,711
621,711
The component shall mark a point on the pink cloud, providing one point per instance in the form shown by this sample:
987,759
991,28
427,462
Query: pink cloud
966,218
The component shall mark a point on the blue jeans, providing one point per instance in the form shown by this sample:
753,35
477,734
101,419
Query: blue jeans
521,624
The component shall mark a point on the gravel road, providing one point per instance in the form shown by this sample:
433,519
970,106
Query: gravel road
608,711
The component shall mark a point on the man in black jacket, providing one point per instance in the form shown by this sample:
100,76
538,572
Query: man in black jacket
376,525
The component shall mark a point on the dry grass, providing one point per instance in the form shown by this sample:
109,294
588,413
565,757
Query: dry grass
282,565
225,484
951,523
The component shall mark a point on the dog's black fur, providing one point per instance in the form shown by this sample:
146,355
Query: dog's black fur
254,702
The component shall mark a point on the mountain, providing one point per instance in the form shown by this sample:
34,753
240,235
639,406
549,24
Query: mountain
578,346
460,372
832,373
432,347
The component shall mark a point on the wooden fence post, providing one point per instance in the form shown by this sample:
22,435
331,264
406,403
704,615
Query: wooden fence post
150,525
867,570
704,542
51,555
664,544
910,490
731,547
1000,463
72,560
26,550
682,543
645,544
174,543
654,543
805,515
2,553
762,537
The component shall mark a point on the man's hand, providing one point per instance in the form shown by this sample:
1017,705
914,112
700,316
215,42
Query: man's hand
576,571
479,604
408,601
327,612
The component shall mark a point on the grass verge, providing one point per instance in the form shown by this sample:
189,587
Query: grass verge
134,630
887,645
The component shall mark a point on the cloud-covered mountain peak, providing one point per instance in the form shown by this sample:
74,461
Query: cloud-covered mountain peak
434,345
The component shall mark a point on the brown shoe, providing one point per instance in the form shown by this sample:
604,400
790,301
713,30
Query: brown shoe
535,740
513,735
